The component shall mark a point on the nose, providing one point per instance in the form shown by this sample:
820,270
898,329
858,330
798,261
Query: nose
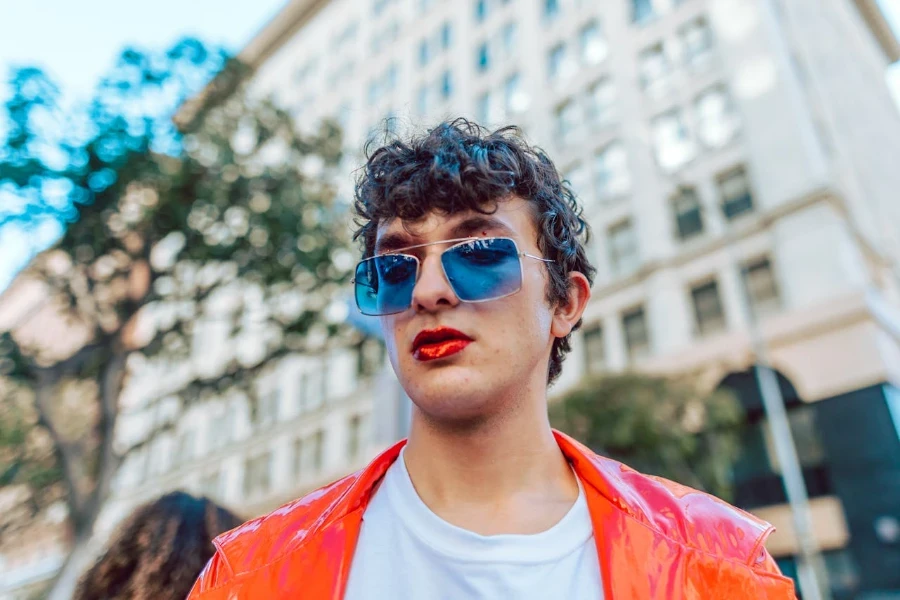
432,291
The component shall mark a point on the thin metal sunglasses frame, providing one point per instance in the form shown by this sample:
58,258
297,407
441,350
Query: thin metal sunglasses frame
456,242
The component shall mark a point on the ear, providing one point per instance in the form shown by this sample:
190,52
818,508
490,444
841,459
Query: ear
565,316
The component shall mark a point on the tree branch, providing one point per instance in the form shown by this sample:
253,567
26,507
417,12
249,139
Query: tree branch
111,383
43,390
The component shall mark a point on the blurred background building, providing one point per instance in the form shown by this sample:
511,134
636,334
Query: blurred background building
727,152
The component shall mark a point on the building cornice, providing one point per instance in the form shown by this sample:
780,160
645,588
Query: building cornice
275,33
269,40
880,28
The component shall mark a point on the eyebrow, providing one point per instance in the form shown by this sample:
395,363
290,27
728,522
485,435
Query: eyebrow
395,241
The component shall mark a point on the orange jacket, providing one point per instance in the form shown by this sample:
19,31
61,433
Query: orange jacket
655,539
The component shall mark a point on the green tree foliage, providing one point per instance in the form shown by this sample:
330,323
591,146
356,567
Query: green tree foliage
656,425
231,220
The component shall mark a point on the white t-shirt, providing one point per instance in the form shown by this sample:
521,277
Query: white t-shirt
406,552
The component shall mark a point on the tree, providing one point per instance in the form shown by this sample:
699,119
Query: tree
659,426
233,220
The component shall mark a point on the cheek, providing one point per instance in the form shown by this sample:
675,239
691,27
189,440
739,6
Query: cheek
391,331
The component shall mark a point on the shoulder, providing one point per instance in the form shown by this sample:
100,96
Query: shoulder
687,516
265,539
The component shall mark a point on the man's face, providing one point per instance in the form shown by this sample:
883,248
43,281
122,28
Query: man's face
461,381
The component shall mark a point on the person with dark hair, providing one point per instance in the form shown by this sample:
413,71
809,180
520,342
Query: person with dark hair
158,551
474,262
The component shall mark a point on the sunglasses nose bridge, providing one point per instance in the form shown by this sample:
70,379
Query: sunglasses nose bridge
432,287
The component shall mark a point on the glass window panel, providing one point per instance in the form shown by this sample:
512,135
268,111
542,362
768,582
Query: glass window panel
508,39
611,171
688,212
761,287
602,102
592,44
734,189
637,338
717,122
654,67
594,349
623,248
671,141
708,311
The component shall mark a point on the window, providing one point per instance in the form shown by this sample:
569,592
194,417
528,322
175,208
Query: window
611,171
210,485
390,77
446,36
566,116
688,212
369,357
671,141
268,408
734,189
637,337
641,11
482,58
220,430
654,67
557,67
423,100
424,52
184,446
717,122
761,287
594,349
487,108
551,9
318,450
446,85
374,92
696,39
299,468
312,389
257,476
708,311
578,179
481,10
308,454
601,102
514,98
810,451
354,433
508,39
623,248
591,43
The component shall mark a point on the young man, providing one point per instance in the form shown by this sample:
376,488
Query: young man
475,264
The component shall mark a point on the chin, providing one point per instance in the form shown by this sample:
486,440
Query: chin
452,395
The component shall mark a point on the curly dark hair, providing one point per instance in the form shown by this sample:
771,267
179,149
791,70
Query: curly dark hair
460,165
158,551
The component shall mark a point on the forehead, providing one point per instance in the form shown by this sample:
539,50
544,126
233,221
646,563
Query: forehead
513,218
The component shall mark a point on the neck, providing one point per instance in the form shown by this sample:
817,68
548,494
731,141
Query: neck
496,464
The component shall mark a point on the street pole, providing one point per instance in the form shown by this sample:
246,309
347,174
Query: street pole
810,568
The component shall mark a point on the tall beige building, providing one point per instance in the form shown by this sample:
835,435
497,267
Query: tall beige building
737,161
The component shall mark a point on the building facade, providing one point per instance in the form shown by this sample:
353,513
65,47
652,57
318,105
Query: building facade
735,160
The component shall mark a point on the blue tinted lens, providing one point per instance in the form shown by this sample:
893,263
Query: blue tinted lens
483,269
384,284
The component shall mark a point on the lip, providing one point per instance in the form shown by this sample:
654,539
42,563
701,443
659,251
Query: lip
441,342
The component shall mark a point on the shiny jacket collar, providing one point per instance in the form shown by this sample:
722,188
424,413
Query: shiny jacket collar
655,539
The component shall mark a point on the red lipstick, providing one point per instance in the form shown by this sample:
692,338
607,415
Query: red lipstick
441,342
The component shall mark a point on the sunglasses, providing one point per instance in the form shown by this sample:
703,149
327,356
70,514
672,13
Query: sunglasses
478,270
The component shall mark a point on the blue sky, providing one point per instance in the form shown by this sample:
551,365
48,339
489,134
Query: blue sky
75,41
